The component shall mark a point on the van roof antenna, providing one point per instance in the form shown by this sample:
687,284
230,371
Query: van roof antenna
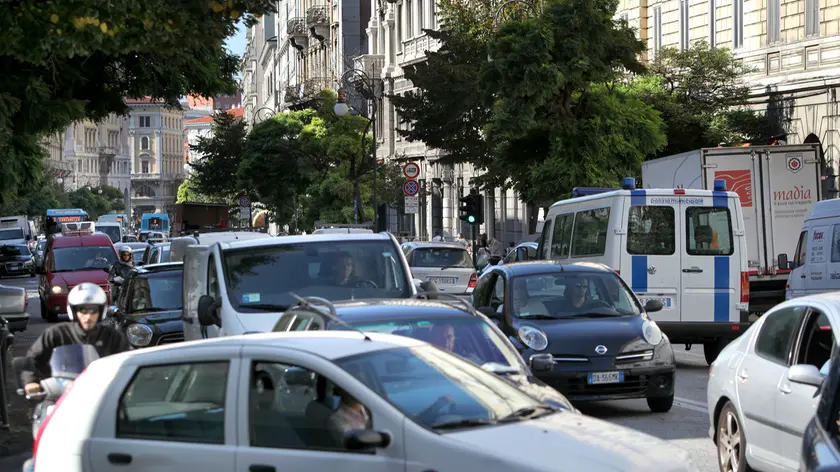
316,303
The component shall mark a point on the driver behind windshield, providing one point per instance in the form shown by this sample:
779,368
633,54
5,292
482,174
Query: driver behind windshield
100,259
340,271
522,303
577,292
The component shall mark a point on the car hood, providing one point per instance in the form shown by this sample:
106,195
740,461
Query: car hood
580,442
154,318
14,258
71,279
536,389
582,335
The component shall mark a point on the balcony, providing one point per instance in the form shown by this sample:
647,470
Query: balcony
316,85
147,177
292,94
296,30
370,64
108,151
318,21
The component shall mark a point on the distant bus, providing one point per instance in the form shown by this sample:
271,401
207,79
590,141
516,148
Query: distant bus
120,218
55,217
155,222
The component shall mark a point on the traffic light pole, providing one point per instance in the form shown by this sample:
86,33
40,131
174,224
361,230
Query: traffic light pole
474,254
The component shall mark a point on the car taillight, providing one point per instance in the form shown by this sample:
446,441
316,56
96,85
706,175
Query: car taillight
25,302
50,413
473,280
745,287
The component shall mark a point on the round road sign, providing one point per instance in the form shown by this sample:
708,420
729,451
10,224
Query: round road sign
410,188
411,170
243,201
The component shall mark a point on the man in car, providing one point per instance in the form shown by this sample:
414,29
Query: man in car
86,305
577,292
443,336
522,303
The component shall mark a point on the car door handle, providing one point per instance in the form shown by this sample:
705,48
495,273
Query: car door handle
693,270
121,459
743,376
784,388
802,276
261,468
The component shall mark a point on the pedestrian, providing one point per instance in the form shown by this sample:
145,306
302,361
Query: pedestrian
460,240
438,238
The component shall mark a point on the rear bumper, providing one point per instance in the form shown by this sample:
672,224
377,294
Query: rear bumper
17,322
704,332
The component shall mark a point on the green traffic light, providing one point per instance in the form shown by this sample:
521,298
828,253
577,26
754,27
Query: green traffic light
471,219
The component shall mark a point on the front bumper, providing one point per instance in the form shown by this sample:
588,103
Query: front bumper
7,270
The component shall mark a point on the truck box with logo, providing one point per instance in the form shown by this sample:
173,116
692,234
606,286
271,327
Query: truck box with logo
777,186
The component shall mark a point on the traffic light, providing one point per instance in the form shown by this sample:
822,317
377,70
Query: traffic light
471,209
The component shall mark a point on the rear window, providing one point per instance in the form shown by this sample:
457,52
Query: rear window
156,292
441,257
651,230
708,231
10,234
17,250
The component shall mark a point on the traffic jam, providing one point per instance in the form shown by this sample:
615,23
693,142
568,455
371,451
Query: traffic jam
346,349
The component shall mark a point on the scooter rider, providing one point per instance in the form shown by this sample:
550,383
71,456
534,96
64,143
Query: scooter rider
120,270
86,305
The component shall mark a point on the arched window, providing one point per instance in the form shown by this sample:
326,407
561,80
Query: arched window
144,143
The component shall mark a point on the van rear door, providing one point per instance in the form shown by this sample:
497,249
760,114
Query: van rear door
711,262
650,251
196,261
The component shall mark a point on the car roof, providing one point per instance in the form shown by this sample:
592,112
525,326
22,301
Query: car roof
133,246
550,267
162,267
435,244
307,238
83,240
395,308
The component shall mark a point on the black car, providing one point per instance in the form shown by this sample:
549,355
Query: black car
821,440
16,259
149,305
156,253
581,329
449,324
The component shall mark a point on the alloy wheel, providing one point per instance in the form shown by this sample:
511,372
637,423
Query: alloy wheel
729,442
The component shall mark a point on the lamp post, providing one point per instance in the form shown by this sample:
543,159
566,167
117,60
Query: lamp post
264,112
371,90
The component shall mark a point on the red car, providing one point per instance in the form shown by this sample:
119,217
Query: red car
71,258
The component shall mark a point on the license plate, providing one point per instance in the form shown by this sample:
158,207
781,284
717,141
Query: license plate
666,301
594,378
15,266
444,280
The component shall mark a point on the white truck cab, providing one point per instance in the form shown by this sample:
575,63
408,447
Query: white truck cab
683,247
816,262
240,287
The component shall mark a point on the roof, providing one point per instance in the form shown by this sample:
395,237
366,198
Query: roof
435,244
373,309
237,113
84,240
309,238
162,267
547,267
132,246
825,209
65,211
143,101
647,192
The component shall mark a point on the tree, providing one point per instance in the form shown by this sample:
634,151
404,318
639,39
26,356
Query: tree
35,202
97,201
66,61
221,155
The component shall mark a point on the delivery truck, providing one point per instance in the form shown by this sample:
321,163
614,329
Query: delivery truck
200,217
777,186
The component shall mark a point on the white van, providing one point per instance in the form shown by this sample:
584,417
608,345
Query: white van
178,246
816,262
683,247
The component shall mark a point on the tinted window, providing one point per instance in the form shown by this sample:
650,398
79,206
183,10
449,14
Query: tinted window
11,233
569,294
68,259
590,233
801,250
835,244
561,238
158,292
441,257
545,240
18,250
708,231
181,402
776,335
138,255
335,270
651,230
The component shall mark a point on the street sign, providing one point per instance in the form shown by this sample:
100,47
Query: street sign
244,212
410,188
411,170
412,205
243,201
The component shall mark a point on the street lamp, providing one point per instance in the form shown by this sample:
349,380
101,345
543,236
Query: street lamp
371,90
264,112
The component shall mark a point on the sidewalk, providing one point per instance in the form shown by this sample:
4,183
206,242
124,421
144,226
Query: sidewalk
14,463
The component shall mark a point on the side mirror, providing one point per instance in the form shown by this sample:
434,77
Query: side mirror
654,305
112,311
428,286
207,311
541,362
490,313
522,254
295,376
805,374
783,262
361,439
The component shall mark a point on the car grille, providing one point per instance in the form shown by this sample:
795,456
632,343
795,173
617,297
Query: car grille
170,338
14,266
633,384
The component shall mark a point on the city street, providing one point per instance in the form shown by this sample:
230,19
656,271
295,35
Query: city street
685,425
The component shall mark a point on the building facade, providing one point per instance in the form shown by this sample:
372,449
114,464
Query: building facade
792,47
198,128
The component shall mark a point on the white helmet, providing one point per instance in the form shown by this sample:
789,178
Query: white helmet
88,294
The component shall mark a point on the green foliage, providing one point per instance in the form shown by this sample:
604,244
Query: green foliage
95,203
188,193
66,61
222,151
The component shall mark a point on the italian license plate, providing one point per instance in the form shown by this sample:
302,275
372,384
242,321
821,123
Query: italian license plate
444,280
666,301
595,378
15,266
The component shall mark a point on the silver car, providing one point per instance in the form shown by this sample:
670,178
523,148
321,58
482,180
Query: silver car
448,265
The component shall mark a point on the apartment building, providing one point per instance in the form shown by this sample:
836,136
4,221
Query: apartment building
792,47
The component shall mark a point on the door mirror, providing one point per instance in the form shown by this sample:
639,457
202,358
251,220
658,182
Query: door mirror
783,262
653,306
542,362
112,311
805,374
491,313
426,286
361,439
208,311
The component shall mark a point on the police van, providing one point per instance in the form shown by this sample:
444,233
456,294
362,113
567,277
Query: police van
683,247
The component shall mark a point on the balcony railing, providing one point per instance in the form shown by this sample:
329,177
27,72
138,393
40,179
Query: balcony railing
141,176
297,33
292,93
318,16
108,151
316,85
370,64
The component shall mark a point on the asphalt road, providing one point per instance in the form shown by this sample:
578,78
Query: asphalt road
686,425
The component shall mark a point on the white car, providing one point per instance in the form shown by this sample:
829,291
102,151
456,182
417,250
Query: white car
763,388
267,402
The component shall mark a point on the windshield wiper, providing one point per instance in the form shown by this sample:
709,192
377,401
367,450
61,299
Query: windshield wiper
457,266
464,423
538,317
265,306
146,310
595,315
528,413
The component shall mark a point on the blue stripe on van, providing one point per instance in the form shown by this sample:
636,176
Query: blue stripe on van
720,199
639,274
638,198
721,288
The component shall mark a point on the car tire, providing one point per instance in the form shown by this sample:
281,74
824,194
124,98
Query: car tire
43,310
731,442
712,350
660,404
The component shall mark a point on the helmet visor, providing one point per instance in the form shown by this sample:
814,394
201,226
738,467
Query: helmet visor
88,309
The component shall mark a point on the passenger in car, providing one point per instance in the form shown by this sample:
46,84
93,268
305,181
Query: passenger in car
443,336
522,303
350,414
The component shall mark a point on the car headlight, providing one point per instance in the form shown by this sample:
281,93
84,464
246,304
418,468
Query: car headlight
651,332
56,289
139,335
533,338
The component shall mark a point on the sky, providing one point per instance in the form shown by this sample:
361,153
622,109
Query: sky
236,43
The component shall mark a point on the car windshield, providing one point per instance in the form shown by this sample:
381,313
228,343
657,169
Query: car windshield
568,294
8,234
68,259
441,257
113,232
137,254
156,292
470,338
264,278
438,390
16,250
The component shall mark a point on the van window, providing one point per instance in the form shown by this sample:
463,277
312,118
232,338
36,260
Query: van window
545,240
801,250
835,244
590,234
651,230
561,238
708,231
